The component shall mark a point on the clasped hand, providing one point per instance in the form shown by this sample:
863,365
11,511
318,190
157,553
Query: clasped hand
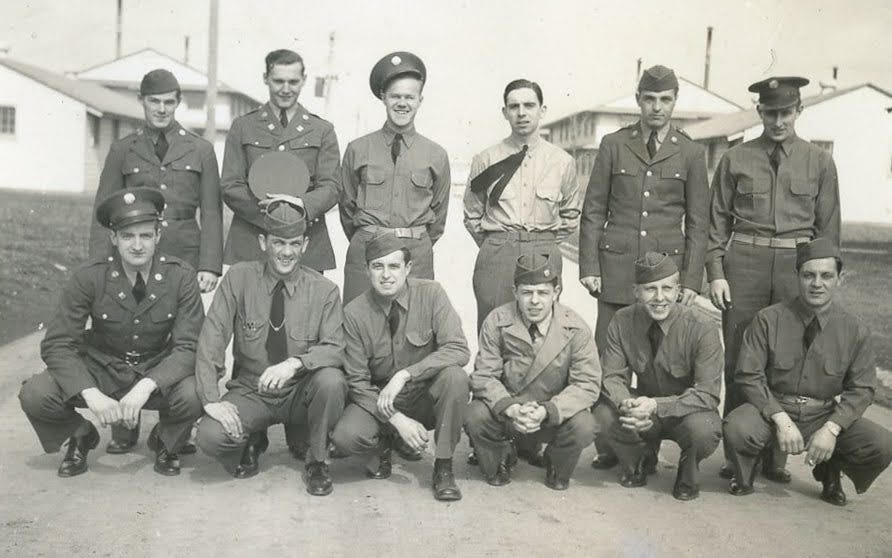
526,418
635,414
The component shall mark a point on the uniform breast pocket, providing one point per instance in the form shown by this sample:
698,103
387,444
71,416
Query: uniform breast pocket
679,370
750,194
624,182
804,187
255,146
138,172
422,183
420,339
373,188
673,180
251,329
300,341
546,208
189,164
163,315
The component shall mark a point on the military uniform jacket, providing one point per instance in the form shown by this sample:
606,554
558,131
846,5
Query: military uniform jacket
308,137
634,205
162,329
188,178
564,376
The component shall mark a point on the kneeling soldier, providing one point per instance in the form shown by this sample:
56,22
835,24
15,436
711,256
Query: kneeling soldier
807,372
405,352
288,349
536,375
146,314
676,353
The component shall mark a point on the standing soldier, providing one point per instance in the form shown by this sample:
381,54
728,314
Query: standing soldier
394,178
183,166
283,124
146,315
648,192
768,195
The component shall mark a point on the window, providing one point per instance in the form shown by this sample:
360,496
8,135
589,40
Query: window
95,124
7,120
193,99
825,145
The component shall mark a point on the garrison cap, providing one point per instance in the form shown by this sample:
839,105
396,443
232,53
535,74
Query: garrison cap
816,249
128,206
778,92
534,268
394,65
158,81
284,218
653,267
657,78
382,245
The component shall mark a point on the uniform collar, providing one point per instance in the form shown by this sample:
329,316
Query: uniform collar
390,132
542,326
661,133
384,304
644,320
292,113
806,314
532,143
291,282
786,145
154,133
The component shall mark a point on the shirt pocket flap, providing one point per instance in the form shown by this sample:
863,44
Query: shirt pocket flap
422,179
671,244
550,192
674,173
803,187
307,141
420,338
264,142
612,245
109,313
188,163
679,370
625,169
161,314
373,177
746,185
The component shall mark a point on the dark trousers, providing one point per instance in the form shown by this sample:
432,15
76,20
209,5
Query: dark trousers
356,279
317,401
492,439
55,419
863,450
696,434
606,310
494,269
439,405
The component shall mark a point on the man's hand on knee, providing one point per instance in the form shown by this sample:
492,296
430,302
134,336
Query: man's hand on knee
106,409
226,414
132,403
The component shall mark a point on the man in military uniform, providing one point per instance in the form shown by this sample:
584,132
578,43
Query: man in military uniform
283,124
286,324
405,352
768,195
146,314
536,375
522,197
649,187
183,166
394,178
807,373
676,353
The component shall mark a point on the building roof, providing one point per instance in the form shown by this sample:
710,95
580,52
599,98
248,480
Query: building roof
97,98
729,125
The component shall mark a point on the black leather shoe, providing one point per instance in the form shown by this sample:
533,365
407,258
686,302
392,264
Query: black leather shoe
405,451
166,463
828,476
75,460
604,462
685,493
385,466
445,489
501,477
740,489
472,458
633,479
250,463
726,471
777,474
552,480
318,479
116,447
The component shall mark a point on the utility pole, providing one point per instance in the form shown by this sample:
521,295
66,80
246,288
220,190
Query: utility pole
210,127
118,25
330,76
708,57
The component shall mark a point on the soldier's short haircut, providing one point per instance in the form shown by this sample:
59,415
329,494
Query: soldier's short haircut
284,57
522,84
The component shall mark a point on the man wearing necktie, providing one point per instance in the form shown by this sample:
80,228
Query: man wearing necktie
535,378
675,351
146,314
394,179
286,325
807,373
404,359
522,196
648,191
768,195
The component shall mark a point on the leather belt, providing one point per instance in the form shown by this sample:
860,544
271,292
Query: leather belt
523,236
132,358
179,213
400,232
768,241
802,400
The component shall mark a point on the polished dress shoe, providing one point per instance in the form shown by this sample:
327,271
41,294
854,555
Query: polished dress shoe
405,450
166,462
445,489
250,463
776,474
75,460
829,477
739,489
633,479
726,471
604,462
318,479
685,493
552,480
472,458
501,477
120,446
385,466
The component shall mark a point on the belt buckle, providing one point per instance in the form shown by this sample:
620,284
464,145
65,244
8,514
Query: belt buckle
800,400
403,232
131,358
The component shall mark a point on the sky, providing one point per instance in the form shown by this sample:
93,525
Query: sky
582,52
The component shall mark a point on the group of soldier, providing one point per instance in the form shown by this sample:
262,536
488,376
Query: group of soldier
375,373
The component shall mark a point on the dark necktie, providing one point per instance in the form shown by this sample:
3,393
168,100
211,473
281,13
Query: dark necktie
775,157
499,173
396,146
139,288
652,144
283,118
276,343
655,335
811,331
161,146
393,319
534,332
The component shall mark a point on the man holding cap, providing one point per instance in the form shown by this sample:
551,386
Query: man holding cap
807,373
281,125
286,324
522,197
649,187
768,195
394,179
676,353
536,375
405,352
146,315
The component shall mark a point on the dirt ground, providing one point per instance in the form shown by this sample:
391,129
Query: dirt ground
122,508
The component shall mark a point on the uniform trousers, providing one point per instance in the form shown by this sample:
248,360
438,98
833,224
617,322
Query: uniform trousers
439,405
356,279
316,400
492,439
55,419
606,310
863,450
